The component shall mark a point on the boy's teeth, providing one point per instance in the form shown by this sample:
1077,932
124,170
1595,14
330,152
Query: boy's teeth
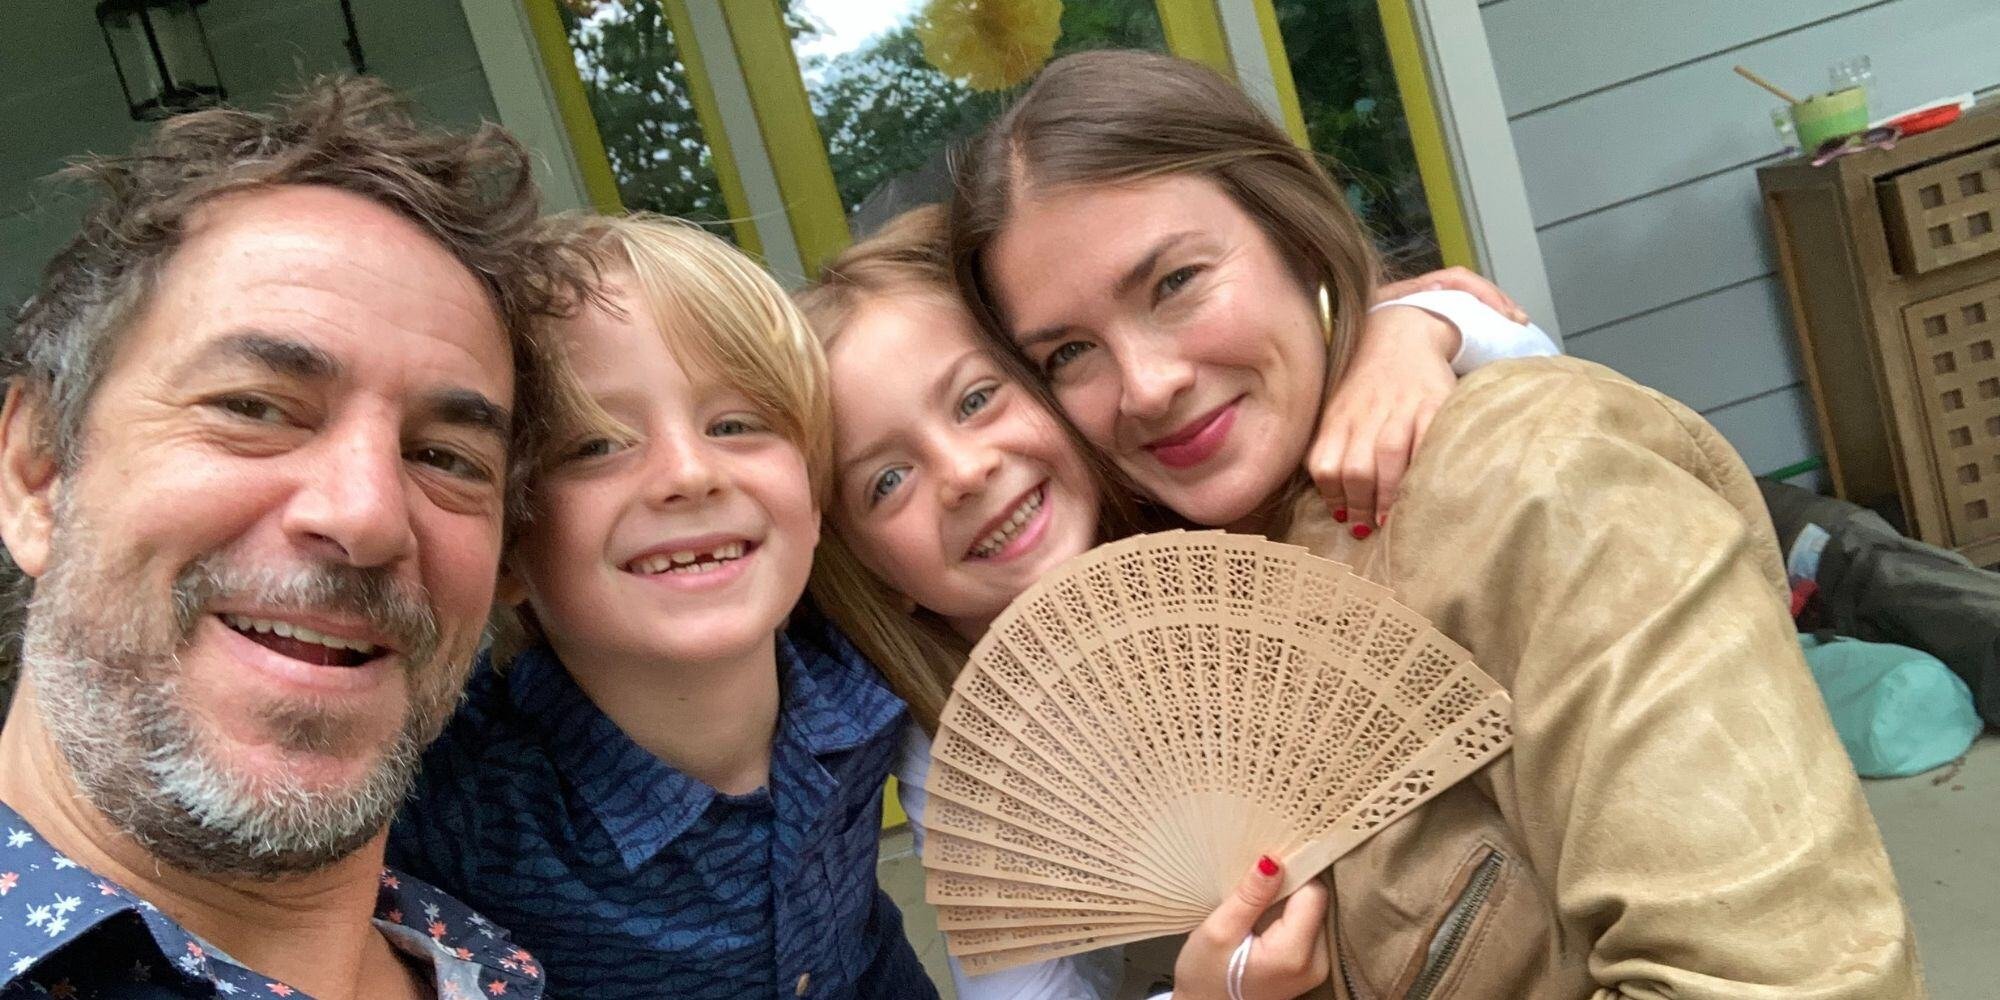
245,623
689,560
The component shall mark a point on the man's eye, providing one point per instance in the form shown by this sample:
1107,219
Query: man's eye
976,400
449,462
252,408
886,484
1064,354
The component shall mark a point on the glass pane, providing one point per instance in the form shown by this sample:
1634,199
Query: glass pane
1347,91
637,87
887,109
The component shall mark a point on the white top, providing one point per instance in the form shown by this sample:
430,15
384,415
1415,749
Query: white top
1485,336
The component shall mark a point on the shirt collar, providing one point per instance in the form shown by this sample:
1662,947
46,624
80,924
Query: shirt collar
831,700
66,902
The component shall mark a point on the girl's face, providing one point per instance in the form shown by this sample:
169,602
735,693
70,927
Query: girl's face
952,483
1173,334
691,543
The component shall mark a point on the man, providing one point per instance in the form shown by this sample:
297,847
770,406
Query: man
255,458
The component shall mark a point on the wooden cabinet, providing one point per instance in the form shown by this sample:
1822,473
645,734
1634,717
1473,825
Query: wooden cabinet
1891,259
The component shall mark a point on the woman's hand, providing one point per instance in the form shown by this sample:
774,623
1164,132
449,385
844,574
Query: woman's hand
1287,956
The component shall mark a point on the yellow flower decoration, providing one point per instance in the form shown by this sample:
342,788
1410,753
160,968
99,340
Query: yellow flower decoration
990,44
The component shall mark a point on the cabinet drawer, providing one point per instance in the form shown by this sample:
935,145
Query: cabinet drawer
1943,213
1953,340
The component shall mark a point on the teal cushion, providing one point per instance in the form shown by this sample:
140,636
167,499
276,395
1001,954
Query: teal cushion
1898,710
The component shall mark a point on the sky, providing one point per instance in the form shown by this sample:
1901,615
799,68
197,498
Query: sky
851,23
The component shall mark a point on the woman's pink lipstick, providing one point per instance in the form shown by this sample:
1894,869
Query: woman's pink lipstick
1198,441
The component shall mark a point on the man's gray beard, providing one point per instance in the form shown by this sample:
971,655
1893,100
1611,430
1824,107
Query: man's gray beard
103,659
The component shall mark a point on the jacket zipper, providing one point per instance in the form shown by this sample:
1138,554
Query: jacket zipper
1457,922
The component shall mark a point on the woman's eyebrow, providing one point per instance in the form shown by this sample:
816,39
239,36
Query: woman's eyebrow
1134,276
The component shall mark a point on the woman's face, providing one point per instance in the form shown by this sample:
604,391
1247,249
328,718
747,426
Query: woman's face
952,483
1173,334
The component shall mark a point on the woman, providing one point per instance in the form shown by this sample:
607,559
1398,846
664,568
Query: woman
1676,818
954,489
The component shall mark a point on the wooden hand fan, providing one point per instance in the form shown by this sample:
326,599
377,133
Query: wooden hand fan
1136,729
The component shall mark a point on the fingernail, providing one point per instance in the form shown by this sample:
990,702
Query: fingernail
1362,531
1266,866
1340,514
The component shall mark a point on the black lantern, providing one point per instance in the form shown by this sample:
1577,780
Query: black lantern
161,54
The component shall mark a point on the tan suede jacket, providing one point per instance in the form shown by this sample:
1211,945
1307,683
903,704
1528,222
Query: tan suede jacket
1677,818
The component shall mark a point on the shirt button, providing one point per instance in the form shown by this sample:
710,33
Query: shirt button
805,983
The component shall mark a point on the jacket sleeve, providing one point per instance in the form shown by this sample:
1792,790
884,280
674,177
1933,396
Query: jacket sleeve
1675,779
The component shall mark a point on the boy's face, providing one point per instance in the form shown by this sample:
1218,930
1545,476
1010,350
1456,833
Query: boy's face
952,483
689,544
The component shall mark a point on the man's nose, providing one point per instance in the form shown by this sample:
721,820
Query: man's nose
353,502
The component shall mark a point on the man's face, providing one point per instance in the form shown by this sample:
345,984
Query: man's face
269,570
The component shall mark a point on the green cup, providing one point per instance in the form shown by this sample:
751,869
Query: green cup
1830,116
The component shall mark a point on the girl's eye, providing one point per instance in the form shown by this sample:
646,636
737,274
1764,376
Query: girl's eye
886,484
1064,354
1176,280
976,400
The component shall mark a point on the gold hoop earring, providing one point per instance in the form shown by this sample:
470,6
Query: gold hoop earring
1326,314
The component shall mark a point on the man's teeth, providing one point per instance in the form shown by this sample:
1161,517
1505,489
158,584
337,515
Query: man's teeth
1005,533
244,623
688,560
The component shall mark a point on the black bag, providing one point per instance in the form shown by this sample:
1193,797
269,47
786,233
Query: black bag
1877,585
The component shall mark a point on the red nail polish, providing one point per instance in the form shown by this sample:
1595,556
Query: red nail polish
1340,514
1362,531
1267,866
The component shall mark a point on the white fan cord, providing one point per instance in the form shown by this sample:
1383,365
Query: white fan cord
1239,963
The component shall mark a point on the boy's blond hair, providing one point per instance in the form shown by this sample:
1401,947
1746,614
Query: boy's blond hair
718,311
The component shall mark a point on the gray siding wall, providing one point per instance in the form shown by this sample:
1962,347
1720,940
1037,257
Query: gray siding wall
59,95
1639,148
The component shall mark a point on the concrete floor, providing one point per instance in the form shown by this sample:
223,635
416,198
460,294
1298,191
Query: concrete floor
1942,830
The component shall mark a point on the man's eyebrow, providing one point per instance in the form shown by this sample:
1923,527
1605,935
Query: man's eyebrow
469,408
281,355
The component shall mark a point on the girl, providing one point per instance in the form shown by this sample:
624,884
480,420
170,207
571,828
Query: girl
1676,817
954,491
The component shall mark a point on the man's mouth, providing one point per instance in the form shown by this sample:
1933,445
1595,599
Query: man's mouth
692,562
302,643
1018,518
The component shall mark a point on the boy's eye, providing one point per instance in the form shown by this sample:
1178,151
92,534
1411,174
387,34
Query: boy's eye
1175,280
1064,354
733,426
594,448
976,400
886,484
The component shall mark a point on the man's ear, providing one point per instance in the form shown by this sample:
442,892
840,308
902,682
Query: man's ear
29,475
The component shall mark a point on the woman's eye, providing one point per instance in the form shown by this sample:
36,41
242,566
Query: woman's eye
976,400
1064,354
252,408
1176,280
886,484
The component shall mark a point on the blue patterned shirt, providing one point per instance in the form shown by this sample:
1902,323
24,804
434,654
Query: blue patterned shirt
631,879
70,934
